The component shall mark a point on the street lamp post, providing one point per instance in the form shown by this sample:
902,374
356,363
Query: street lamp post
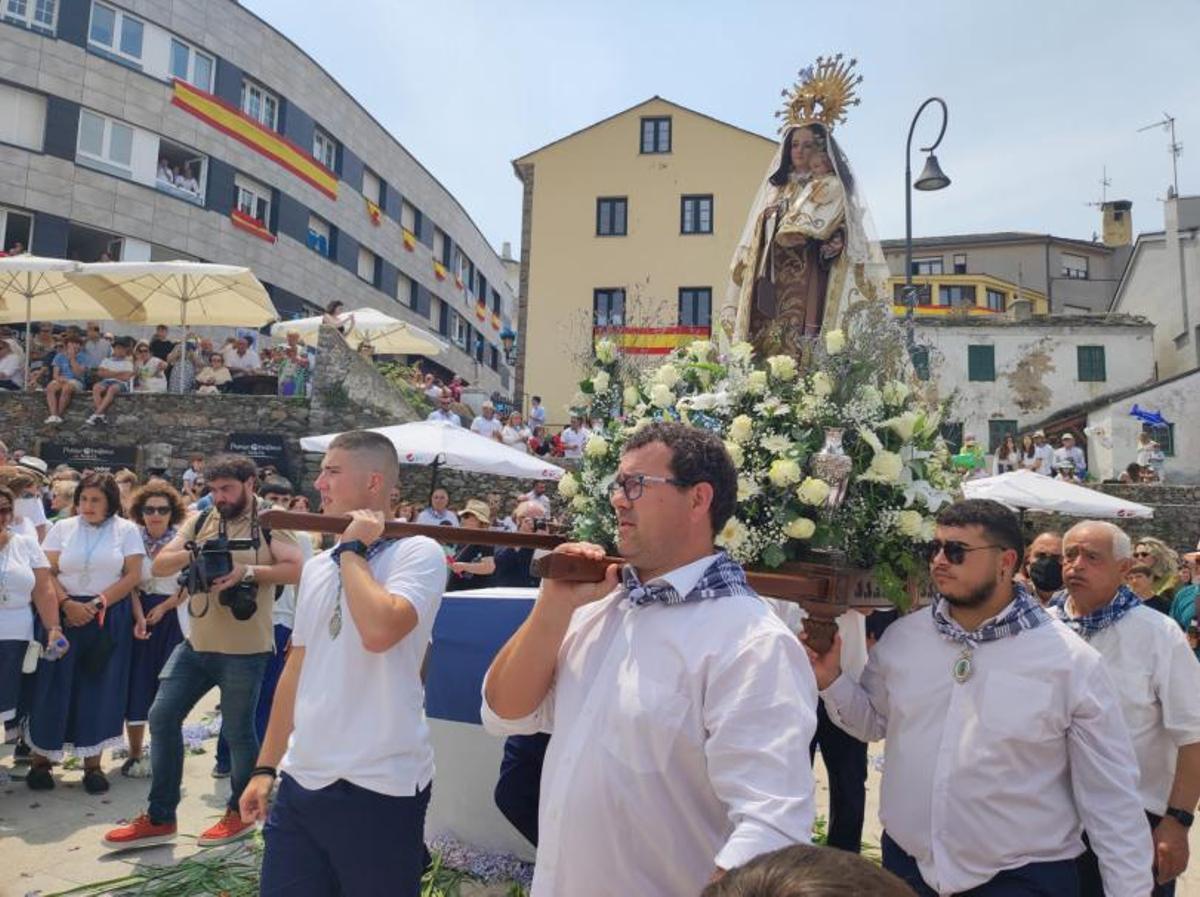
931,178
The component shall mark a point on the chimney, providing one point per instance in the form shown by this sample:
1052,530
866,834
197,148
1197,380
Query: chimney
1118,223
506,251
1020,309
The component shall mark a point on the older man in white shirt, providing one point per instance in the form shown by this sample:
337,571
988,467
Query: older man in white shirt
1004,740
1158,687
241,358
682,709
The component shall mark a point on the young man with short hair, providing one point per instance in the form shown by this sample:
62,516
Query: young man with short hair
349,817
69,369
681,707
115,375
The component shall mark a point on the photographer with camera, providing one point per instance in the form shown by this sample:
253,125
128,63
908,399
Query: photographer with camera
512,564
230,566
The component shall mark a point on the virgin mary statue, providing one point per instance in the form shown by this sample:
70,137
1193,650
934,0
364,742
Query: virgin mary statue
808,250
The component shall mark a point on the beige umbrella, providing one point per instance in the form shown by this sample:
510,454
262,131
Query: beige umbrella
385,334
46,289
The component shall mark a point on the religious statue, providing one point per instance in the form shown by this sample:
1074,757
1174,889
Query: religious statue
807,252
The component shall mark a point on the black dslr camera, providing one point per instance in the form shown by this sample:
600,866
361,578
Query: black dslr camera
213,559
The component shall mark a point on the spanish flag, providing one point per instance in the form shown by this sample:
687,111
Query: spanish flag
242,221
495,320
458,281
374,212
439,270
651,340
481,311
410,241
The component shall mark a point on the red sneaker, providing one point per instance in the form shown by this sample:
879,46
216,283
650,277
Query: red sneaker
229,828
142,832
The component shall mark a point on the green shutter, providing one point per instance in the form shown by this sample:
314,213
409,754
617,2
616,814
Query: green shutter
981,362
1091,364
920,360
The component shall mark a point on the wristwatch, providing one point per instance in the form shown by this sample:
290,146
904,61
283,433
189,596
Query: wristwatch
1183,817
354,546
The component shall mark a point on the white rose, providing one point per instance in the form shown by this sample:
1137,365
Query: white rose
606,351
667,375
568,486
596,447
600,382
784,472
821,384
909,523
903,425
783,367
700,349
885,468
776,444
895,392
813,491
757,382
579,503
800,528
835,341
631,397
928,528
747,488
732,535
661,396
706,401
740,428
741,351
736,454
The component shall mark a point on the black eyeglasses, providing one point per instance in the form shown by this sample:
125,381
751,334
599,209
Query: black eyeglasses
956,552
156,509
633,486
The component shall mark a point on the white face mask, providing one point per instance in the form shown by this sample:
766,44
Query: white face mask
26,507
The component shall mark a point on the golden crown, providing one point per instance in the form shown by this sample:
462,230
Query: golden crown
822,94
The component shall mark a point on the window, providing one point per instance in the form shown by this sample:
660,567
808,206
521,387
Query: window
441,247
181,171
260,104
493,358
608,308
1074,267
928,266
479,345
956,296
459,330
981,363
189,64
1164,436
656,135
695,307
923,292
1091,364
612,216
252,199
997,300
406,290
367,262
372,187
960,264
408,217
952,433
695,214
22,117
324,148
320,235
39,14
495,301
116,31
105,141
997,430
920,361
16,230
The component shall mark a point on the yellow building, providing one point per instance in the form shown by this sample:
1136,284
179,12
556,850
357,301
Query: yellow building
629,226
976,294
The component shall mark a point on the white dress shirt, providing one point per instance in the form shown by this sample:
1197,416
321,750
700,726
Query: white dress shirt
680,744
1044,454
1158,686
488,427
235,362
445,417
1005,769
573,441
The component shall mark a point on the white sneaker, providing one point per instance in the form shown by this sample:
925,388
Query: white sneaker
53,419
93,420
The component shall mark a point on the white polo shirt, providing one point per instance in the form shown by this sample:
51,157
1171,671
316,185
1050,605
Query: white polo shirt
360,716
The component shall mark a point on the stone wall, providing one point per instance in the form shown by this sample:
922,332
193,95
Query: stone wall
1176,514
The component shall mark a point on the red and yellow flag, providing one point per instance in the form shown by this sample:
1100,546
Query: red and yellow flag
481,311
242,221
373,212
410,241
495,320
439,270
651,340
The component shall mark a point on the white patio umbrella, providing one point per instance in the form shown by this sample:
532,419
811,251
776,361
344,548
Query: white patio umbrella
438,444
47,289
387,335
1025,490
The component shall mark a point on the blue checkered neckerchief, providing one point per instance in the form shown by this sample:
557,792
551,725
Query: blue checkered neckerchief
1024,613
1098,620
724,576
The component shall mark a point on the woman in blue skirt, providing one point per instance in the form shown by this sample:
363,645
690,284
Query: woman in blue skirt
24,583
157,509
78,702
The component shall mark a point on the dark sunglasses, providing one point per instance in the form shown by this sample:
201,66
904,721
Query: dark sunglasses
157,509
956,552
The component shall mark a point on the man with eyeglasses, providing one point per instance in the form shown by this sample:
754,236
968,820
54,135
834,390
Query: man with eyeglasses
1003,737
1156,672
681,707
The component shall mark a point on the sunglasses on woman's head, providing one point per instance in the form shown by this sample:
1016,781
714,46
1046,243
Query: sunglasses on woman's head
956,552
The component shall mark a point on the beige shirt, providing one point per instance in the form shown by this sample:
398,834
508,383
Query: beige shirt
217,629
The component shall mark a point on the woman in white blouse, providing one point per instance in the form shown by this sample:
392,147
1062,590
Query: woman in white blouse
24,584
515,434
78,702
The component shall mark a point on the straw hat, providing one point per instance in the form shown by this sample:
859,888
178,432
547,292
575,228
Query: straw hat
479,510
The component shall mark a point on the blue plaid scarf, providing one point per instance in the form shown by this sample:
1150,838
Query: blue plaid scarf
724,576
1098,620
1024,613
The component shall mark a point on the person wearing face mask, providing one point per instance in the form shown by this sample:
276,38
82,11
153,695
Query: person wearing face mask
1043,565
27,509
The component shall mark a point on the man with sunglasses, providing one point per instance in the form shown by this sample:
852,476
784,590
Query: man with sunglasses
1148,656
681,707
1003,737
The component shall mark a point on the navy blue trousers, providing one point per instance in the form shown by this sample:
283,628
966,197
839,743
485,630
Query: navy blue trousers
520,782
343,840
1057,879
845,759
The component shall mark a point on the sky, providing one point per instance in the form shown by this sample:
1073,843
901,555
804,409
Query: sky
1042,96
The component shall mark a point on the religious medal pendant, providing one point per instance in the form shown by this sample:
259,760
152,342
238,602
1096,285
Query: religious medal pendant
962,666
335,622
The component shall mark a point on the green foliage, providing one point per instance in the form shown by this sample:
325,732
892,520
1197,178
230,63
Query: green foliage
403,378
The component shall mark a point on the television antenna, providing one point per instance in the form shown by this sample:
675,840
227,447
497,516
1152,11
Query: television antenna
1175,148
1105,183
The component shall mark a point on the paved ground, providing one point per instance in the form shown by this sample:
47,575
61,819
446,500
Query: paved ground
50,841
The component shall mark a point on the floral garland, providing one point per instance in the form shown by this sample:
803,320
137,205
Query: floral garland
773,416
